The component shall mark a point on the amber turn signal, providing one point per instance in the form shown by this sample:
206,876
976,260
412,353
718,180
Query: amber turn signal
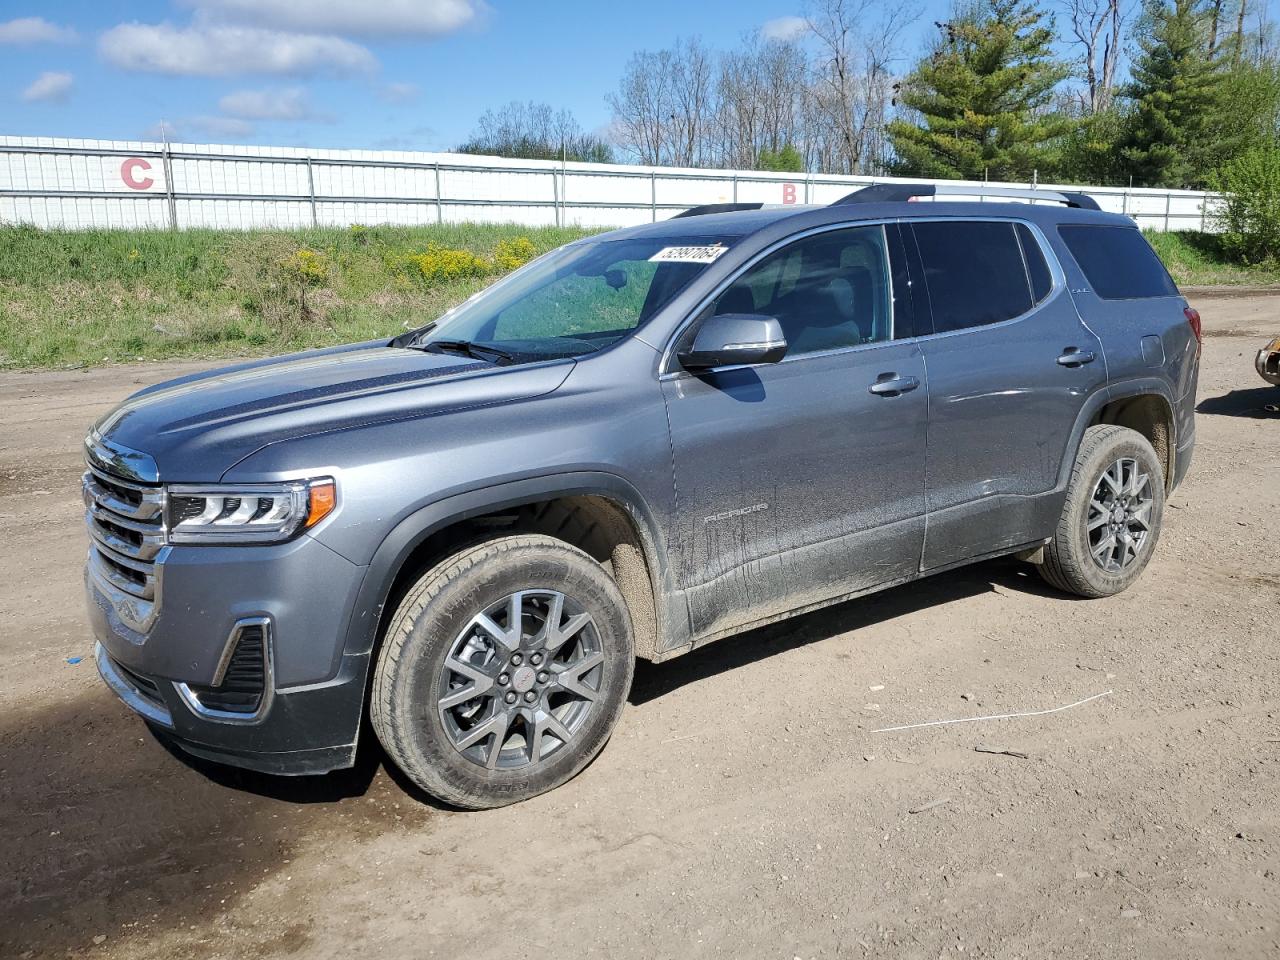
323,497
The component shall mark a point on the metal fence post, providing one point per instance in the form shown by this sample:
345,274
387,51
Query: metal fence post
735,188
564,195
555,192
439,204
653,195
1168,199
168,187
311,192
1204,209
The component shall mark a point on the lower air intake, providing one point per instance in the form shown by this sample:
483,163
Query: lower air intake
244,682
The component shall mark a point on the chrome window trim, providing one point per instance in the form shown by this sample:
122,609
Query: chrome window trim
192,700
670,369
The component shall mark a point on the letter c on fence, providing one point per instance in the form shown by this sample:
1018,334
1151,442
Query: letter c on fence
788,193
131,181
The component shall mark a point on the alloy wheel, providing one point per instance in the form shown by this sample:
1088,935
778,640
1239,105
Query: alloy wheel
520,679
1119,515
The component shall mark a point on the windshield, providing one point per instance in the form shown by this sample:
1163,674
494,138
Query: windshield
576,300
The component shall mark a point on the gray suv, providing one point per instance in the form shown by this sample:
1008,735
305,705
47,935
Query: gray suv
637,444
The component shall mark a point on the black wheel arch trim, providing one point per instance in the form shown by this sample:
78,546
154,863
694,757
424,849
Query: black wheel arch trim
1123,390
396,548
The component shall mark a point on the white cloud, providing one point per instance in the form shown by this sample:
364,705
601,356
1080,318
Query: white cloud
784,28
49,87
200,128
34,30
231,128
399,92
289,103
220,51
378,18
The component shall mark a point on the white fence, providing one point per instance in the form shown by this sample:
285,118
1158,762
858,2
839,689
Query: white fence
105,183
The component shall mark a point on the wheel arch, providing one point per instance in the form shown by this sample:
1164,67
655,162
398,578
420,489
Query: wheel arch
1146,410
608,510
1144,405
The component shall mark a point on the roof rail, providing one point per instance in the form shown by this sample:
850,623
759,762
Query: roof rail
716,208
897,192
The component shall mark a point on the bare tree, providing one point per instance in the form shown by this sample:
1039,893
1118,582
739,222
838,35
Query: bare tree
664,109
1097,29
827,93
692,108
852,87
642,106
761,88
534,131
1239,47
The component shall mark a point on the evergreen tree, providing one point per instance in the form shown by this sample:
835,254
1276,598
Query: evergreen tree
982,97
784,160
1175,91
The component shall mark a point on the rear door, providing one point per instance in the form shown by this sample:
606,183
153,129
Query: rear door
1010,365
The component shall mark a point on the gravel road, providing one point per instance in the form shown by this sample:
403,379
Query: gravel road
745,807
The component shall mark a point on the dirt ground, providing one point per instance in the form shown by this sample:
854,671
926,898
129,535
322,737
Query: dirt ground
745,807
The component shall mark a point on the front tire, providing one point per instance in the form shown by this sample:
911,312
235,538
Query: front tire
503,671
1110,523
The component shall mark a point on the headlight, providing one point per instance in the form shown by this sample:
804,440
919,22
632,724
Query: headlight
247,513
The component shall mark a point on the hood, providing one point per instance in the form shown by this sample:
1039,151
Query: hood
196,428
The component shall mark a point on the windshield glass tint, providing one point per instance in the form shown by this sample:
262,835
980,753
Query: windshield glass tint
581,298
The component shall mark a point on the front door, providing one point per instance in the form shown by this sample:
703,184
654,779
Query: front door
801,481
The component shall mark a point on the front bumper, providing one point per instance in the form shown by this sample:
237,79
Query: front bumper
298,596
308,731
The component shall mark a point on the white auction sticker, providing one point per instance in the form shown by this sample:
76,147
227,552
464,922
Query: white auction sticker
690,254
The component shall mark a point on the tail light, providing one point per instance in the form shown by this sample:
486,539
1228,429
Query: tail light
1193,318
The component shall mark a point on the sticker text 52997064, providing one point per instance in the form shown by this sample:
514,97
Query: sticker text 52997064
702,254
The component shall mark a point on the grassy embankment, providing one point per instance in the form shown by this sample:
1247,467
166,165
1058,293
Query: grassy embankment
74,298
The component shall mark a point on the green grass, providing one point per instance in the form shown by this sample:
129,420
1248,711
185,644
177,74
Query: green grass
71,298
1198,260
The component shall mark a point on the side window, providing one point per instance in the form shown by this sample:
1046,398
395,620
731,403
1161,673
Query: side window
1118,261
1037,269
828,291
974,271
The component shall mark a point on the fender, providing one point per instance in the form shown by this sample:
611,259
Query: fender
399,544
1139,386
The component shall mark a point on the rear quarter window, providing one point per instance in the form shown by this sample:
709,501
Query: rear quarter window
1117,261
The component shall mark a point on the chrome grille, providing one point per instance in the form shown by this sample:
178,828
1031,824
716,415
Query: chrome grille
125,520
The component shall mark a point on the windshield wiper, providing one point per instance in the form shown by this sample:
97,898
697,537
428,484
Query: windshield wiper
481,351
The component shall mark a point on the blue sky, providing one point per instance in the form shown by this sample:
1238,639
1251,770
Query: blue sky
378,74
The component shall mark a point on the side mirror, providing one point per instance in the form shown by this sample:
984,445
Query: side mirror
734,338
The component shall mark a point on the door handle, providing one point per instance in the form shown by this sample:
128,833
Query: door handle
891,385
1075,357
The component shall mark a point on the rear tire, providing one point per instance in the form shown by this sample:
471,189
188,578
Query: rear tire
503,671
1110,523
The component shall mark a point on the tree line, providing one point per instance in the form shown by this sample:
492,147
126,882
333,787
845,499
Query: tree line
1165,93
